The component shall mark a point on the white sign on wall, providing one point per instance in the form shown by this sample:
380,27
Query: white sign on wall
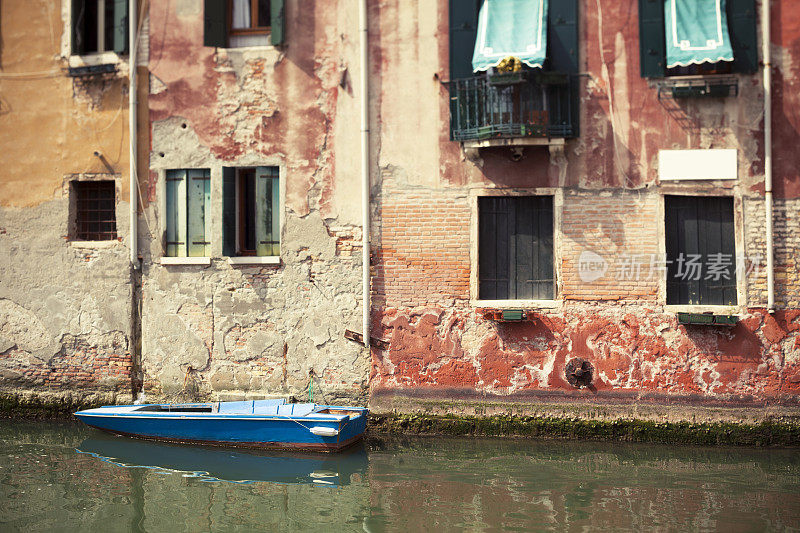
713,164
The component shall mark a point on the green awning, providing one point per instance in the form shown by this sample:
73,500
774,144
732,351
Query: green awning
515,28
696,32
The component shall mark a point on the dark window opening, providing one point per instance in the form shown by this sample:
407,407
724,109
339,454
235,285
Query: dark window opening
99,26
250,211
247,212
237,23
248,16
515,248
701,250
95,217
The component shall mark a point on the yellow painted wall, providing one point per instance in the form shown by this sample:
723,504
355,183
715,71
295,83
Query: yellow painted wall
51,124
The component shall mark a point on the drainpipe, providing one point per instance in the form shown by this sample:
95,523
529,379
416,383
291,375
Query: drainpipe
765,30
134,203
364,89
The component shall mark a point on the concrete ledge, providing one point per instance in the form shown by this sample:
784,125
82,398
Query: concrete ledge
202,261
584,404
777,432
255,260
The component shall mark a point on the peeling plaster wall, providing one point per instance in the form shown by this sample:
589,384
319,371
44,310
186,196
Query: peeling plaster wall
65,307
440,349
227,331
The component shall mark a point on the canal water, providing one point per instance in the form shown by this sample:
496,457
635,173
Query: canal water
66,477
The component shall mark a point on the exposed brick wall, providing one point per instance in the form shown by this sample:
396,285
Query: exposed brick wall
620,227
786,243
423,258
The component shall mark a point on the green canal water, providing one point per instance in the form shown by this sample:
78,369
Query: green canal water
66,477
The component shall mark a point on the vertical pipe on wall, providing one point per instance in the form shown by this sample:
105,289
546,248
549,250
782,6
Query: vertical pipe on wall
765,43
365,182
134,203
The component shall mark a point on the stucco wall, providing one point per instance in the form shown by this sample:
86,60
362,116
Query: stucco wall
609,201
258,330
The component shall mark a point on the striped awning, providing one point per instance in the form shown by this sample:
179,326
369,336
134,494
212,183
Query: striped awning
515,28
696,32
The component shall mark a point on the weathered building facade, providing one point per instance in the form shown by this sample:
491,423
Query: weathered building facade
520,227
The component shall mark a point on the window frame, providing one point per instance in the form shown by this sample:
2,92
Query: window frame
252,30
704,190
557,195
235,201
218,21
109,55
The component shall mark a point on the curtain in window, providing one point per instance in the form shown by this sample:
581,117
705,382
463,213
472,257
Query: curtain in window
696,32
515,28
241,14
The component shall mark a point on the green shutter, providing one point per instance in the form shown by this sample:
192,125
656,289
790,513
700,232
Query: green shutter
562,56
78,16
176,213
120,33
562,36
215,23
463,30
228,211
652,50
742,29
277,17
199,213
267,211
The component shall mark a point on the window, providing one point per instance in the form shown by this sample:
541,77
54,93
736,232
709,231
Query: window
188,211
701,260
94,210
251,211
697,37
99,26
528,102
515,248
238,23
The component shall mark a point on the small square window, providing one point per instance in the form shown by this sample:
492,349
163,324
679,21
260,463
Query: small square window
94,211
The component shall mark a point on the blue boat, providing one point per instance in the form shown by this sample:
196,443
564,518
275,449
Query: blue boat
254,423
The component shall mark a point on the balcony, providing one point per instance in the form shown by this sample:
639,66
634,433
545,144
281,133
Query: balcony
517,108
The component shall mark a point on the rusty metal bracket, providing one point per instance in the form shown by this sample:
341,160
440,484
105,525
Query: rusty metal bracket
359,338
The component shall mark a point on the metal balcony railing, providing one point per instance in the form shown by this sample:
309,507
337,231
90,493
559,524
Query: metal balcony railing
512,105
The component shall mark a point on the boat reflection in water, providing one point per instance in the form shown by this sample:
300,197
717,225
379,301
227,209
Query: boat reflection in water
229,464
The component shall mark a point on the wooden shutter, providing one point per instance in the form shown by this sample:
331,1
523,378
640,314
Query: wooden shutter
562,36
532,248
215,23
199,213
742,29
120,30
267,211
515,248
701,226
463,30
277,21
494,272
176,214
228,211
652,49
562,56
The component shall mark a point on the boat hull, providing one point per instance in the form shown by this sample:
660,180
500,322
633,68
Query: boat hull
251,431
